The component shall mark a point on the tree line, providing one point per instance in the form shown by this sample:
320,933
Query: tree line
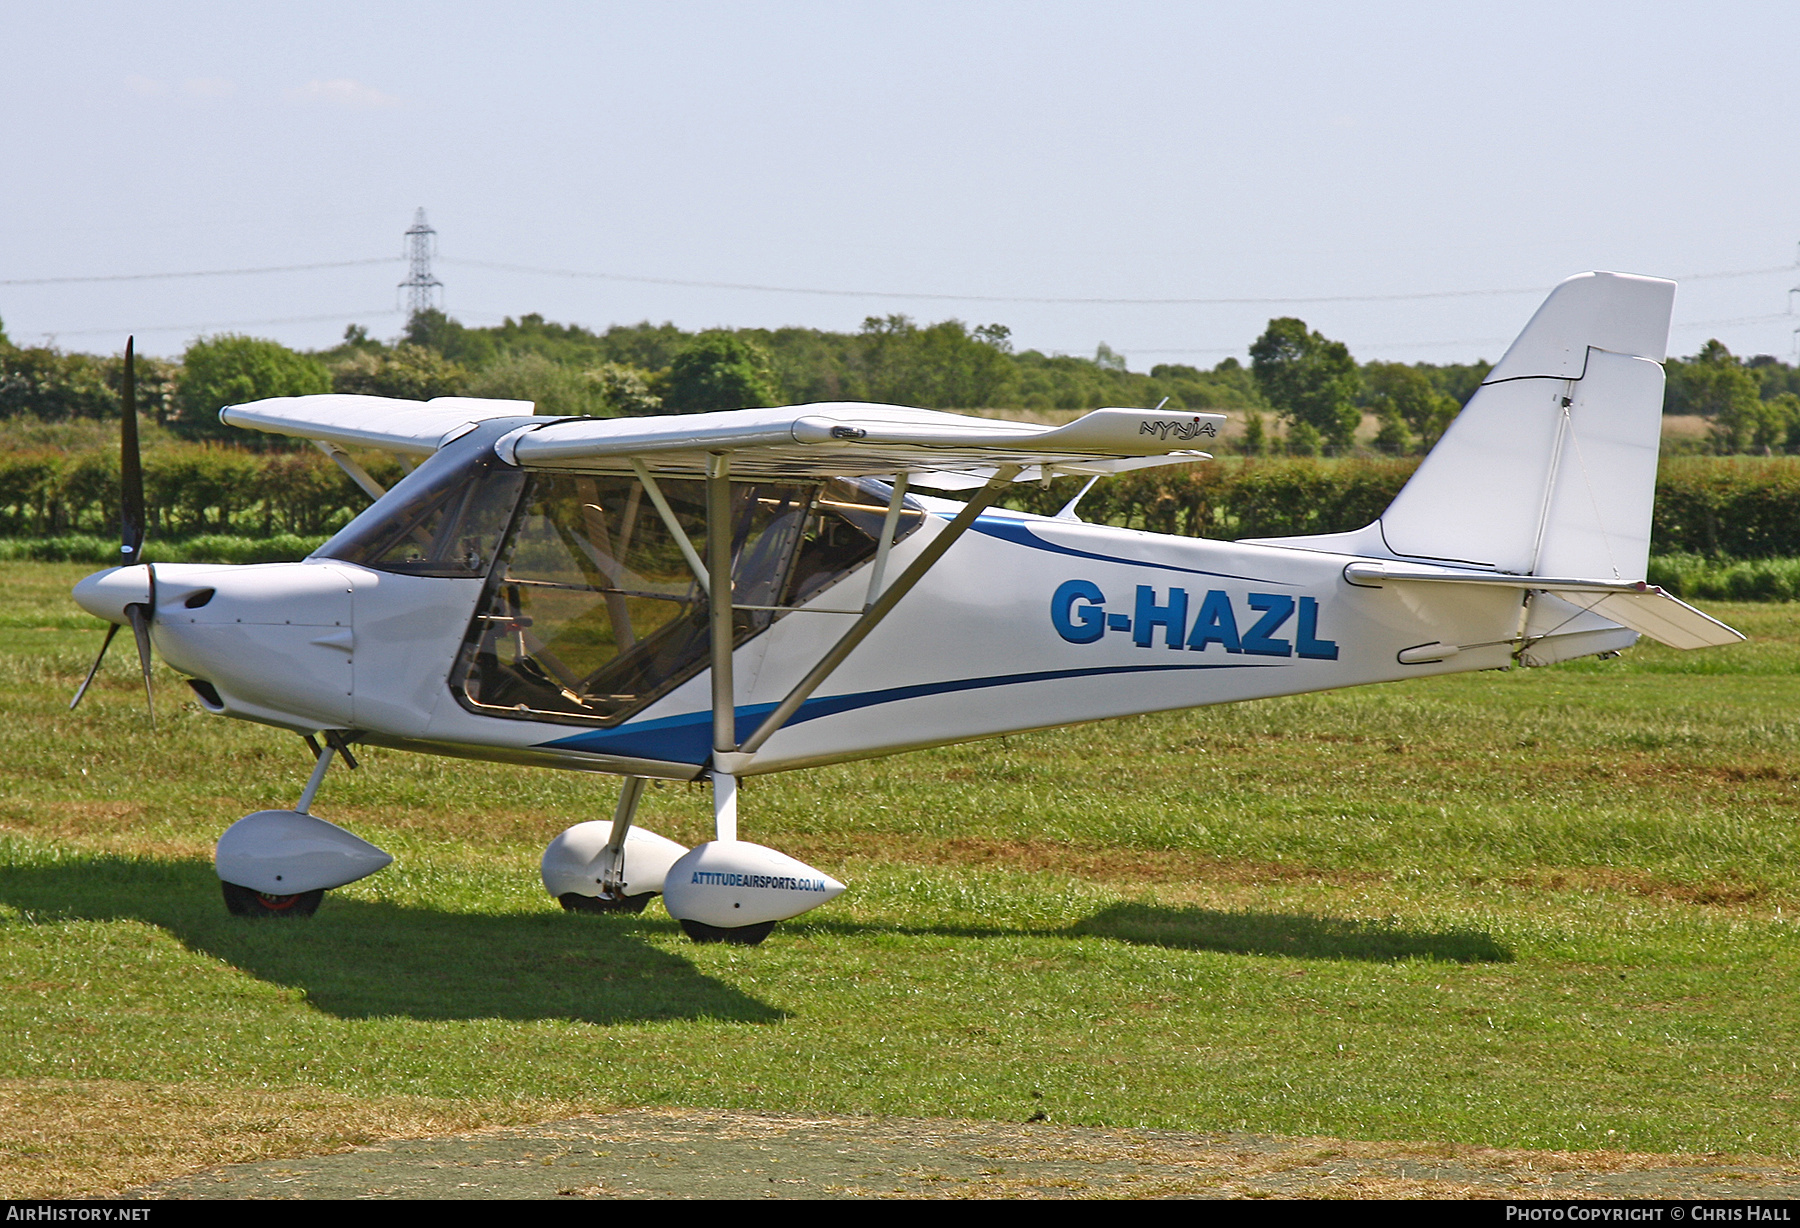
1301,394
1712,507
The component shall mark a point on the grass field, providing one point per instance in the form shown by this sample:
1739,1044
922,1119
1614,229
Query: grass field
1539,909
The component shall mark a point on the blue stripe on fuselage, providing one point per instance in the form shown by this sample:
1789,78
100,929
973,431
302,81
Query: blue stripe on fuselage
1019,534
688,738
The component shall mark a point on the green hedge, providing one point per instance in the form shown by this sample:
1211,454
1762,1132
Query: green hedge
1233,499
1726,507
1716,508
1722,508
189,489
1695,578
205,548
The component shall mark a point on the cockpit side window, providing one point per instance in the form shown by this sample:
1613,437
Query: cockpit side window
593,612
842,532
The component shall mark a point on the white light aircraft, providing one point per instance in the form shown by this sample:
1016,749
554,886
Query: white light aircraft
720,595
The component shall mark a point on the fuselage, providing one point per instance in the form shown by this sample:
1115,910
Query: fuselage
1028,622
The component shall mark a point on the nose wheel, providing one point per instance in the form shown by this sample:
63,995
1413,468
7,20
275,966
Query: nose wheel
279,850
245,902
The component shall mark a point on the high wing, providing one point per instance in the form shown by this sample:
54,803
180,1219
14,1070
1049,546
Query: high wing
412,428
836,439
829,439
852,439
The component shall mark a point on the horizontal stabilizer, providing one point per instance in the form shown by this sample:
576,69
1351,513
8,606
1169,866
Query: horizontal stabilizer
1644,608
1665,618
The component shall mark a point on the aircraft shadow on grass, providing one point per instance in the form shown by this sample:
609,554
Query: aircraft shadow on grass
360,960
1295,935
1298,935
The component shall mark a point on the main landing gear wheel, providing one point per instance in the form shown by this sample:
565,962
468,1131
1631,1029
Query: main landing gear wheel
243,902
739,935
574,901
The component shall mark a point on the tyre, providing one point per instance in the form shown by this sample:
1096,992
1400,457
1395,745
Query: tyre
575,902
243,902
740,935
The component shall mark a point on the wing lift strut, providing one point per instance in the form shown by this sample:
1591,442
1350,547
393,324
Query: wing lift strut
730,757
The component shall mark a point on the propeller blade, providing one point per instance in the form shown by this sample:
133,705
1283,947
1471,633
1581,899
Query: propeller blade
112,629
131,468
140,627
131,532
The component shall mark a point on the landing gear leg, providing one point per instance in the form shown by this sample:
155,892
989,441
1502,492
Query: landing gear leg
612,897
321,760
245,851
612,879
726,760
725,829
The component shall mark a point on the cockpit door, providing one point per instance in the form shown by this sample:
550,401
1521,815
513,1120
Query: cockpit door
594,609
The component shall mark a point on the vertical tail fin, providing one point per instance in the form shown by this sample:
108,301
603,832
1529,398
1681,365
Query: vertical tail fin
1550,468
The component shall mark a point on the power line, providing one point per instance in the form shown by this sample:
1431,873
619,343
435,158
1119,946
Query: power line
1778,268
1267,301
1500,341
177,328
278,268
1085,302
1364,345
976,298
1763,319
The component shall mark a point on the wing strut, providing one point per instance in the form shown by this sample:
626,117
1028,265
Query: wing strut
728,758
355,472
729,761
889,526
669,522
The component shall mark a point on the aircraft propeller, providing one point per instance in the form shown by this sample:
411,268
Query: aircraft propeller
131,524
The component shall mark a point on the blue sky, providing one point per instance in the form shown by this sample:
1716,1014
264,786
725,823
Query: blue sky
994,151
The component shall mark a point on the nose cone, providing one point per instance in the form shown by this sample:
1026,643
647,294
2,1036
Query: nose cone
105,594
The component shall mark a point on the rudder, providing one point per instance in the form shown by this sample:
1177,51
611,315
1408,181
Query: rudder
1550,469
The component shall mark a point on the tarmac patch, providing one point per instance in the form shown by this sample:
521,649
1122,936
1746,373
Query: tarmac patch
691,1153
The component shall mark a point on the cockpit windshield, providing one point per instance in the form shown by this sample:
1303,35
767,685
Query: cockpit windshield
444,519
592,610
